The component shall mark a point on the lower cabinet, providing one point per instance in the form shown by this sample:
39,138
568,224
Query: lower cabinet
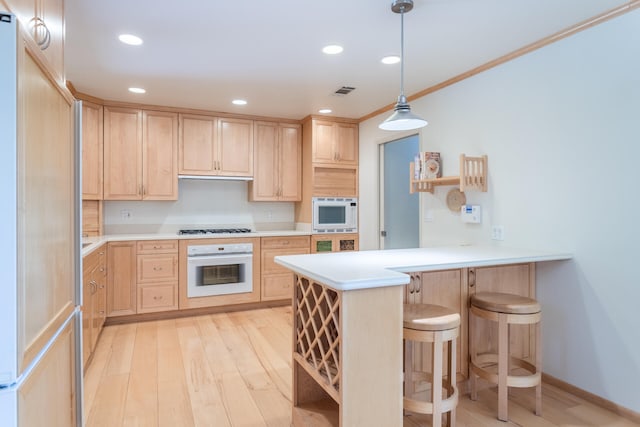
452,289
94,299
157,275
277,281
334,242
121,283
48,395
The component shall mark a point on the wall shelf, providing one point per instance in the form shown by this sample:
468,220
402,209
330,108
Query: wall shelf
473,176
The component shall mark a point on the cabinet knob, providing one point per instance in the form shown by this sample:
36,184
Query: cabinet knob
157,268
157,297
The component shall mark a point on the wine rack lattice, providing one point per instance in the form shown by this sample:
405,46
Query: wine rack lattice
317,341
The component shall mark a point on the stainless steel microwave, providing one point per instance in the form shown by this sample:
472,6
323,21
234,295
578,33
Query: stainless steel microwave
335,214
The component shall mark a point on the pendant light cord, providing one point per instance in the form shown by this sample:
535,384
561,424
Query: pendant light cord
402,53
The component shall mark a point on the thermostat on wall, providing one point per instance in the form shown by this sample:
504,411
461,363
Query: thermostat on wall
471,214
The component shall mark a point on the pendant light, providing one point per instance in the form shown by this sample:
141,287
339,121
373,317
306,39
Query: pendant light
402,117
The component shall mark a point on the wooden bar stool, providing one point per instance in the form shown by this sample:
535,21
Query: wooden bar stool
505,309
432,324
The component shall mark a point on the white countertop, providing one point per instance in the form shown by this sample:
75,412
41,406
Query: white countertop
345,271
94,242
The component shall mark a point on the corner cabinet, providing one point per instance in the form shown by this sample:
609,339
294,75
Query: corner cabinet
277,162
140,154
212,146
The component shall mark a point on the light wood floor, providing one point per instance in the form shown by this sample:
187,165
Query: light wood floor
234,369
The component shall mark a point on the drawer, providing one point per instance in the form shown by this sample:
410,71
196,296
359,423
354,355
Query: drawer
157,246
268,264
285,242
157,268
277,286
157,298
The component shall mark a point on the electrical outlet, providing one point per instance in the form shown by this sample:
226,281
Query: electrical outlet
497,232
125,214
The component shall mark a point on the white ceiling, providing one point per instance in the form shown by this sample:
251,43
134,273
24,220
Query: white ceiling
204,53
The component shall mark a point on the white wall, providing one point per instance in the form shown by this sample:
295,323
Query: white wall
200,202
561,127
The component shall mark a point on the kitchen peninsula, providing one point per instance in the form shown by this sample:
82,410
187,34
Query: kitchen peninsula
348,321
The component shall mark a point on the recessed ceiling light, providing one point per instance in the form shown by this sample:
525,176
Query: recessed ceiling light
130,39
324,111
137,90
239,102
332,49
391,59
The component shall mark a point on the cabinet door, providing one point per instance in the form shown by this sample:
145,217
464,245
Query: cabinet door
517,279
91,151
290,164
323,142
121,284
334,242
235,147
160,156
87,310
48,395
45,203
265,184
122,153
52,14
347,143
197,154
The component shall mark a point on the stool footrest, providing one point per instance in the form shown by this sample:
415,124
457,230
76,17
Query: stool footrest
422,407
479,366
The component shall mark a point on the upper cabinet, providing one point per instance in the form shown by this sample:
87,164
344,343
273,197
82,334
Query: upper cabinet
140,154
335,142
44,20
91,151
277,162
212,146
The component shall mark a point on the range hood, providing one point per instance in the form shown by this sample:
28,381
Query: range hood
216,177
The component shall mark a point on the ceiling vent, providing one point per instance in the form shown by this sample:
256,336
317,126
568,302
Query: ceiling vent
344,90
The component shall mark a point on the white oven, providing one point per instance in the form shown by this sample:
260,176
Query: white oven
219,269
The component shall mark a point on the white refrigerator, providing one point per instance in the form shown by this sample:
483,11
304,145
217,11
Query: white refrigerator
40,324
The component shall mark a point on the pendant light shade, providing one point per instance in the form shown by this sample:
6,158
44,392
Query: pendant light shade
402,117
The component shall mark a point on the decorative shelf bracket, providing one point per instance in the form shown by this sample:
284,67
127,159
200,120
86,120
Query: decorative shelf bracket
473,176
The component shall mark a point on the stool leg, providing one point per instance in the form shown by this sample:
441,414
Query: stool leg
472,355
503,366
436,384
452,366
539,369
408,370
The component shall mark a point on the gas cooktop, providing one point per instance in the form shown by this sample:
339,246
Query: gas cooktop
215,231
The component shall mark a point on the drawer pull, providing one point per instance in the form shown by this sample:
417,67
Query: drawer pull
157,268
157,297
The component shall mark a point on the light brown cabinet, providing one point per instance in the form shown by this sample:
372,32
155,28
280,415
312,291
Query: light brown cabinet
92,145
157,275
452,289
44,20
212,146
334,242
94,299
140,154
277,281
335,142
277,162
121,280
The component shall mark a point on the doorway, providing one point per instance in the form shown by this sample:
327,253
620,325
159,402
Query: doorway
399,210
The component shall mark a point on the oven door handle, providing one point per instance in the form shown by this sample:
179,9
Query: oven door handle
221,256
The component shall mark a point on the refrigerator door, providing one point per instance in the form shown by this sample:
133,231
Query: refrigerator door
8,195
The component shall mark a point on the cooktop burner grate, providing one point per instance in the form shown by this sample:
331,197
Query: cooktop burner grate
215,231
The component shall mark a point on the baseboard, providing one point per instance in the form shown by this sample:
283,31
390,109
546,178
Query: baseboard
175,314
592,398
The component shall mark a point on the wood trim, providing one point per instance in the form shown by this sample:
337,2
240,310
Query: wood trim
176,314
329,119
592,398
569,31
83,96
